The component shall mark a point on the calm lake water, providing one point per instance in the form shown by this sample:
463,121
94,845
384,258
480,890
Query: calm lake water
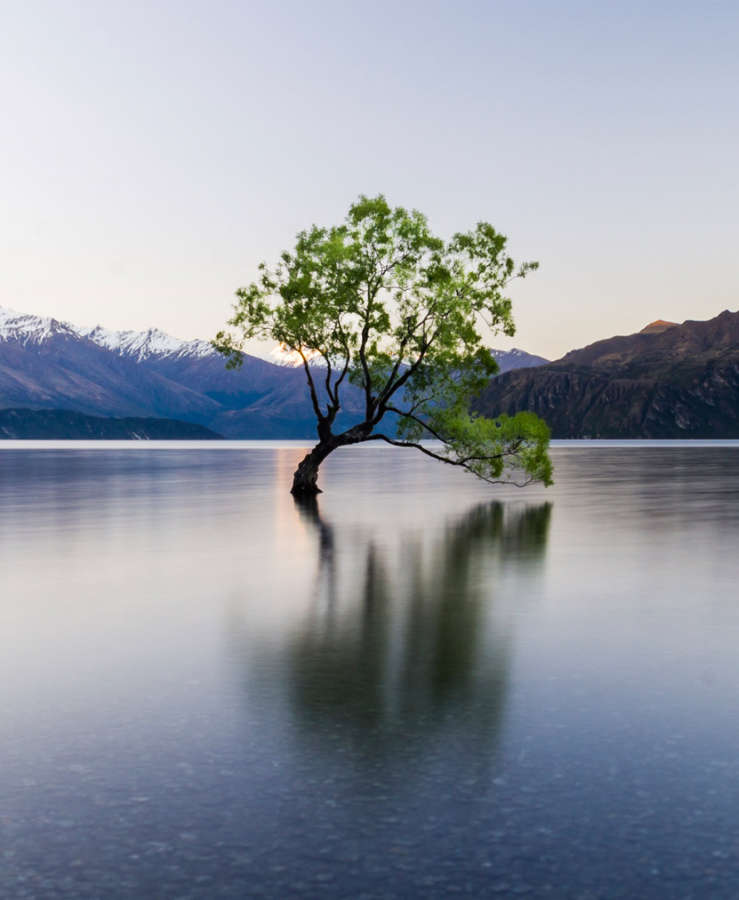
421,686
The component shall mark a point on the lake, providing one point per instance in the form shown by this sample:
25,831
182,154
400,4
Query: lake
419,686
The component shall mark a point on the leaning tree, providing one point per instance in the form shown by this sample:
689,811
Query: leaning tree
382,304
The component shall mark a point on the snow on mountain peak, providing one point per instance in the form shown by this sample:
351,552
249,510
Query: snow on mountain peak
140,345
27,328
143,344
158,343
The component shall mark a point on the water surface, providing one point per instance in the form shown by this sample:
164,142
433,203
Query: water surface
418,686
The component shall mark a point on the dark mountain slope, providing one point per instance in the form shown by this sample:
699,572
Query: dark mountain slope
63,424
682,381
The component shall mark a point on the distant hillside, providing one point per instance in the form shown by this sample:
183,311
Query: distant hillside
63,424
508,360
48,364
674,381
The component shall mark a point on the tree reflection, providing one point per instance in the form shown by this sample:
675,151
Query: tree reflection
399,645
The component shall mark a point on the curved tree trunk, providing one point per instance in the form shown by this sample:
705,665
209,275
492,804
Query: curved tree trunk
305,479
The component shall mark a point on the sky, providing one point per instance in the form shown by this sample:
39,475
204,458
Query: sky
152,154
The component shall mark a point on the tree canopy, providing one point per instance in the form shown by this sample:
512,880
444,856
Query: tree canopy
381,303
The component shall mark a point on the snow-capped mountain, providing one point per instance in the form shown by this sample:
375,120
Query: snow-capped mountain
49,364
138,345
144,344
30,329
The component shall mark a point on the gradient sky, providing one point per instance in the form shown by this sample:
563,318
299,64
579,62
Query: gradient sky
153,153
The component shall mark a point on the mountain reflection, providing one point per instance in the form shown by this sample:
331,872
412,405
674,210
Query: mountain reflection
401,643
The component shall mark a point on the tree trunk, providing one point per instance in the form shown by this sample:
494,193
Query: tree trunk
305,479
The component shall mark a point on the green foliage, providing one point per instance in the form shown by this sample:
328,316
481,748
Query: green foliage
399,313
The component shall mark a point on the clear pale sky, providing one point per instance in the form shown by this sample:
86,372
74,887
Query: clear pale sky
153,153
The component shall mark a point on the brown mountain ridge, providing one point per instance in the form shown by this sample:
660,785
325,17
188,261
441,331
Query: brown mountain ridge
676,381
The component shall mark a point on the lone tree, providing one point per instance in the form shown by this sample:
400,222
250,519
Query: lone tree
381,303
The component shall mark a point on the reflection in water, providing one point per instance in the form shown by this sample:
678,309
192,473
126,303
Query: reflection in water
308,507
339,744
398,645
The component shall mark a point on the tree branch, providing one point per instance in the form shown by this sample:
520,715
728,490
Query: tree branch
460,463
389,390
363,357
329,372
312,388
342,376
409,415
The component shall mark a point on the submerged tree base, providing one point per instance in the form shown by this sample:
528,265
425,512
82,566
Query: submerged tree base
305,479
304,490
305,483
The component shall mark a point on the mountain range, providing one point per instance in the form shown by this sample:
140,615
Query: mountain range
48,364
667,381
